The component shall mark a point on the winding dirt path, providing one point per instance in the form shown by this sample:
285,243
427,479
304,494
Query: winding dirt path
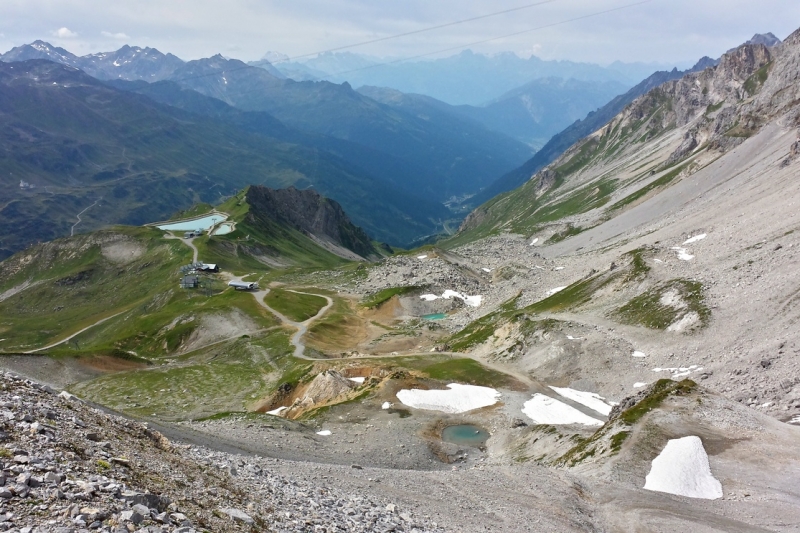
62,341
78,216
187,242
300,327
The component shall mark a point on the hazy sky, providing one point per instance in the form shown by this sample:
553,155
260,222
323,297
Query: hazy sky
664,31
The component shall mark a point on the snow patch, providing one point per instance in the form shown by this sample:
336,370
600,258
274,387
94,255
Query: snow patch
558,268
546,410
357,380
593,401
472,301
553,291
672,298
688,320
637,353
422,257
387,405
639,385
277,412
324,432
680,372
570,337
696,238
683,255
486,269
534,241
457,399
682,468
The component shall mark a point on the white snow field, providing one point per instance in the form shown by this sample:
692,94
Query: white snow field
457,399
546,410
324,432
534,241
357,380
696,238
591,400
472,301
387,405
422,257
682,468
277,412
639,384
637,353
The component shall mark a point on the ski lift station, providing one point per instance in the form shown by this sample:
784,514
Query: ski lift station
244,285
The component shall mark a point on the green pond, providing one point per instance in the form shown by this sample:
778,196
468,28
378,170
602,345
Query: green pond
434,316
465,434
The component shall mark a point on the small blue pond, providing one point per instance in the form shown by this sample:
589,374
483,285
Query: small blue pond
434,316
466,435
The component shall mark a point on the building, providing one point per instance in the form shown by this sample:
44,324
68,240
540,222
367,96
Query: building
210,267
190,282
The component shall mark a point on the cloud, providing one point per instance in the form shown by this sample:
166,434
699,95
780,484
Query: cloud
120,36
64,33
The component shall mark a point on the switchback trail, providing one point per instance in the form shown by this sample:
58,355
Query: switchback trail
78,216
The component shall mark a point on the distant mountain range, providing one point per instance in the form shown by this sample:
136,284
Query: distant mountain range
441,160
159,134
127,63
560,142
69,142
463,79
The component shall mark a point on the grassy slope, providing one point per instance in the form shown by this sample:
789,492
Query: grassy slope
239,250
79,286
295,306
227,377
536,203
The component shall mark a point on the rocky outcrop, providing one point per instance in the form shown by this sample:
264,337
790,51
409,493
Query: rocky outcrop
65,466
310,213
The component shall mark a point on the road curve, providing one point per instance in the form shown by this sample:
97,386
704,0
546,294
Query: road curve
187,242
62,341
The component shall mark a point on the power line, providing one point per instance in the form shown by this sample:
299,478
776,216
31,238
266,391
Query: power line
415,32
426,54
493,38
598,13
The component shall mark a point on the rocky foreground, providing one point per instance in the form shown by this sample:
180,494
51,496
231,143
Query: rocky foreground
68,467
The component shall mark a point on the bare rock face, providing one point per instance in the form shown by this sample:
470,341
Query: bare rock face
309,212
325,387
767,39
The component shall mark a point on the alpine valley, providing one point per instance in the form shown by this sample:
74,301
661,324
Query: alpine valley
249,297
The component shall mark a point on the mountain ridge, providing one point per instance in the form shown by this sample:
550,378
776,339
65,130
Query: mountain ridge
133,150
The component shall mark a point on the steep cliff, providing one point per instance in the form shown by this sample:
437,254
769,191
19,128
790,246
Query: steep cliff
320,218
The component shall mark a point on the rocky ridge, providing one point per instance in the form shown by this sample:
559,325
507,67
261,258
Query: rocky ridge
308,211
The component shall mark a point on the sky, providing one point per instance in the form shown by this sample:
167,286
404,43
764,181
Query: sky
666,32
